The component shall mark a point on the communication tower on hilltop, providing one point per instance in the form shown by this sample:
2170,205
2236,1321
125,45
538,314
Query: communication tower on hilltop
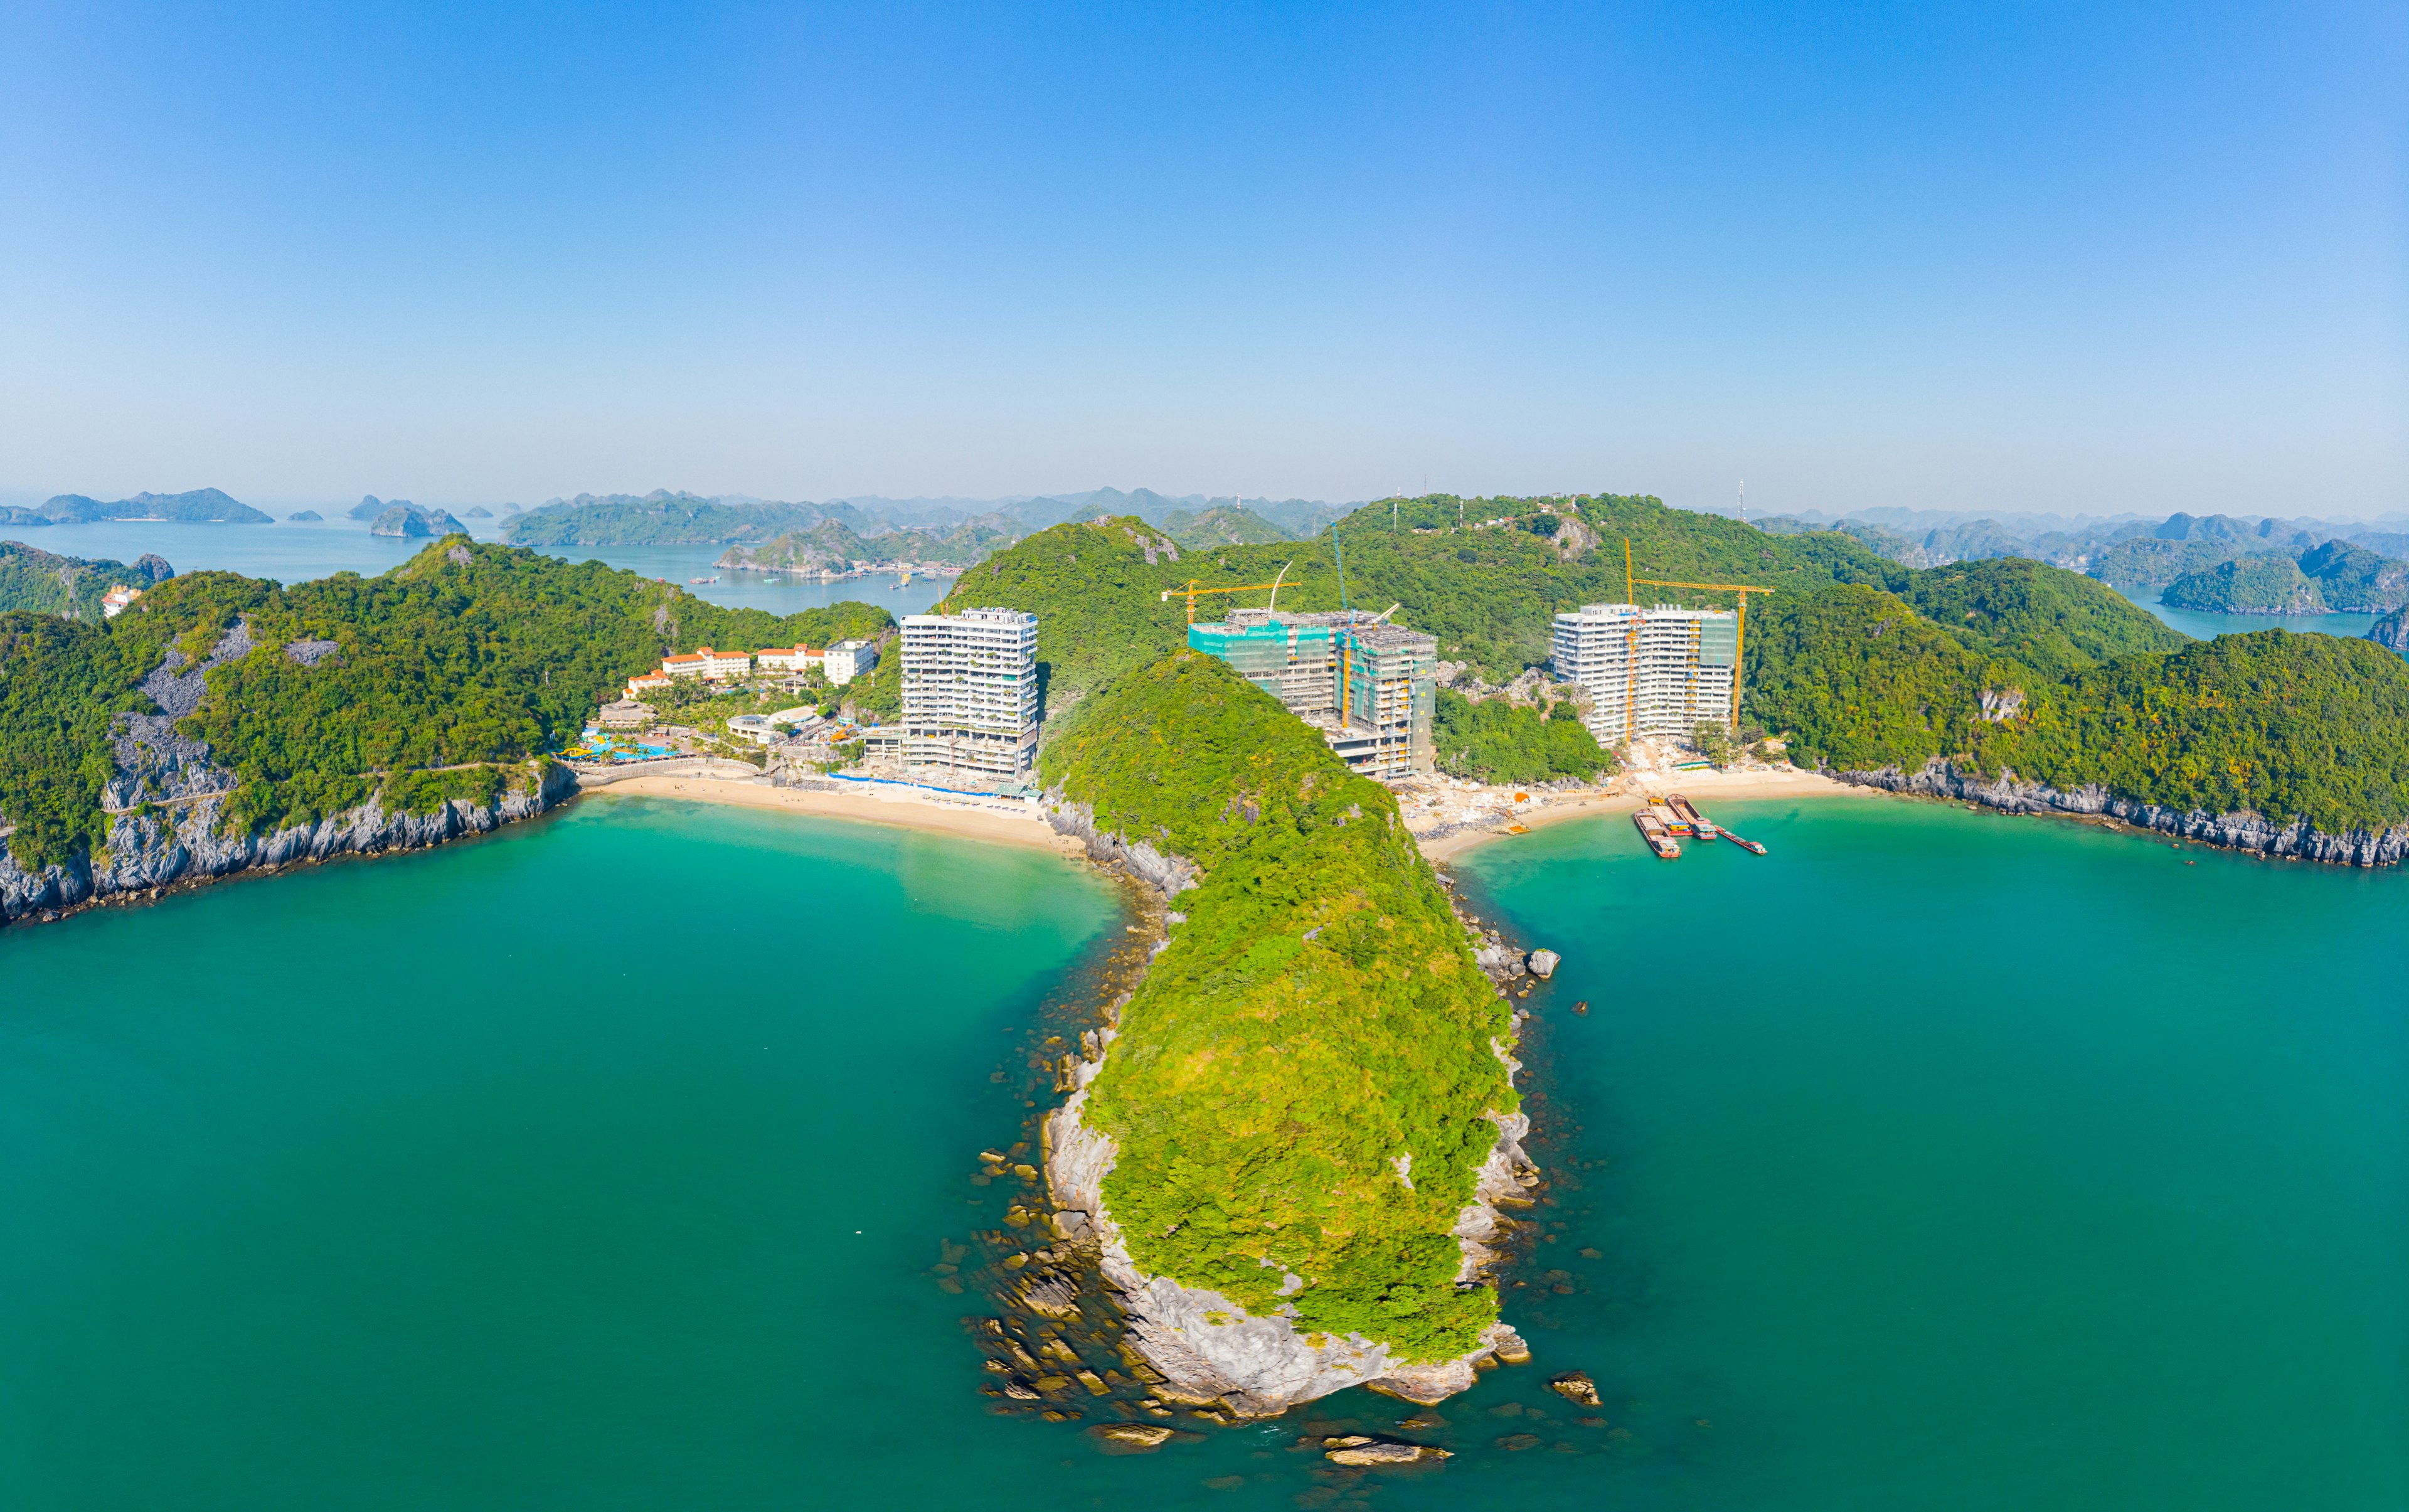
1743,501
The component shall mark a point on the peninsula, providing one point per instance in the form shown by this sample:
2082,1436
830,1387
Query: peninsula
223,722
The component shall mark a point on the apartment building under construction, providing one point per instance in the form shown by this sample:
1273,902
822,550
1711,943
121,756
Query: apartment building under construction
1371,689
1659,671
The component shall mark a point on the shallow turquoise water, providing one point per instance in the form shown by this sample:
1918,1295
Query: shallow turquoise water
1933,1159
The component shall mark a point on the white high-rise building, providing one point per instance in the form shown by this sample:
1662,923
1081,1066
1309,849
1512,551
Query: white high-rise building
846,660
1654,671
969,693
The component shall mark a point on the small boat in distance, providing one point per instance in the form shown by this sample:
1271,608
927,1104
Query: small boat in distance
1659,838
1686,813
702,580
1752,846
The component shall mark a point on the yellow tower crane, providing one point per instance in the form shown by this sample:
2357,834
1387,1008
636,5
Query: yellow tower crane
1191,593
1739,627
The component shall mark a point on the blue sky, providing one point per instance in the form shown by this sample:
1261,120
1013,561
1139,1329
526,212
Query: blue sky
2085,257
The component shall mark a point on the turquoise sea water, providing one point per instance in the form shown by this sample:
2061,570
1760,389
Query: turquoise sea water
1934,1159
1954,1159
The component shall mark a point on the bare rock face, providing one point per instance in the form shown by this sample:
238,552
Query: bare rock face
1576,1385
1132,1438
1167,874
1364,1451
2243,831
188,843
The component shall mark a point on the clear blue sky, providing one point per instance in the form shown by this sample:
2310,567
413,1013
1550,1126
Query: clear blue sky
2088,257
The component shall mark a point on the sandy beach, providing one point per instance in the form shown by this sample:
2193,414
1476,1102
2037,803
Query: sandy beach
881,805
909,810
1631,792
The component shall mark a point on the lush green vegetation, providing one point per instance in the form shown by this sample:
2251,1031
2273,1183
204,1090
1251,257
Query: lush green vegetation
2282,724
659,518
833,546
2354,580
1315,1018
2335,576
1490,595
1497,742
707,707
1858,681
2148,562
1224,524
2049,619
206,506
60,681
465,656
49,583
2288,726
2264,583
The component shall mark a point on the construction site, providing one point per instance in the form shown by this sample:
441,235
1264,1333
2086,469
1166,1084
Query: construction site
1369,686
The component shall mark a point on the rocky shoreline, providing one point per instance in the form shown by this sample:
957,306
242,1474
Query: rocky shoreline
147,855
1194,1347
2242,832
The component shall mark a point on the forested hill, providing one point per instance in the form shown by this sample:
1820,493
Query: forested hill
49,583
663,519
1865,664
1490,592
2290,726
467,653
2336,576
2045,617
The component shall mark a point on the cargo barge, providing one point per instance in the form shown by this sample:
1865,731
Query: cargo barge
1659,836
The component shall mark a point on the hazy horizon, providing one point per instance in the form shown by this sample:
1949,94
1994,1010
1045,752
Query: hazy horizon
2127,259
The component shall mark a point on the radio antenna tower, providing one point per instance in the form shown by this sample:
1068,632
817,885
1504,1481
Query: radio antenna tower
1743,501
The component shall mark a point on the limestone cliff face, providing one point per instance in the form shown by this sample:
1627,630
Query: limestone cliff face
187,843
2240,831
2392,630
1166,874
1208,1348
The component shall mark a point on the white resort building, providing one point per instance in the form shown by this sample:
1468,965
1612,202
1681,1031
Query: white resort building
794,658
848,659
1654,671
711,665
970,694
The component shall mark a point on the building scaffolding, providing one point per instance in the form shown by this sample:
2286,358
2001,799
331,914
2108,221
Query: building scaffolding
1371,689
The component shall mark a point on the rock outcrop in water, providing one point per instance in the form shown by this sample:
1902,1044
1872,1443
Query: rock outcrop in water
2243,831
1208,1349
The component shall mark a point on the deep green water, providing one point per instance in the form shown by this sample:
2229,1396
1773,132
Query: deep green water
1936,1160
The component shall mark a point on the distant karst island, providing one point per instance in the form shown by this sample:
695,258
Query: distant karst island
199,506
